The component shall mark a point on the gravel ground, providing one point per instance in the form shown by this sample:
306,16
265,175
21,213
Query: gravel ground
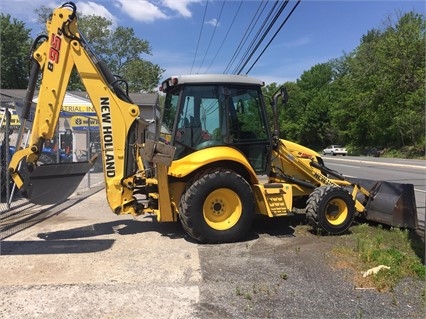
82,261
291,278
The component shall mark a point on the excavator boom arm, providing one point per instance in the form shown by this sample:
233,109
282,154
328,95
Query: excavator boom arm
120,124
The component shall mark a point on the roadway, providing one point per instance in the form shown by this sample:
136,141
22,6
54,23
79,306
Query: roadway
397,170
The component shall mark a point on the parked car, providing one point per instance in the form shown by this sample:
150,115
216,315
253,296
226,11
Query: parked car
335,150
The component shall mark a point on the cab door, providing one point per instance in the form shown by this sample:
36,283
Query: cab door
248,127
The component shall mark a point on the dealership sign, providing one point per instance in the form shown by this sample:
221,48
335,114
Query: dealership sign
84,123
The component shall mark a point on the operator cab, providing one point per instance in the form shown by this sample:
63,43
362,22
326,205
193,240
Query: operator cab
204,111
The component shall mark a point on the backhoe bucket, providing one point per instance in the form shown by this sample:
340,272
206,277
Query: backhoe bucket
51,183
390,203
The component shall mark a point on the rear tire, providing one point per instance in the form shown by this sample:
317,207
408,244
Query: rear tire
330,209
218,207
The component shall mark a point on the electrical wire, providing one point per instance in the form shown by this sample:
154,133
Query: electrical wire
245,36
270,41
265,33
211,38
256,37
226,36
199,36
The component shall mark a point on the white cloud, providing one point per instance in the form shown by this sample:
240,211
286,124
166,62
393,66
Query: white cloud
150,10
141,10
180,6
16,8
92,8
213,22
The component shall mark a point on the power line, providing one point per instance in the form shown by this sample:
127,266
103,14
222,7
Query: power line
199,36
211,38
253,41
226,36
270,41
244,38
265,33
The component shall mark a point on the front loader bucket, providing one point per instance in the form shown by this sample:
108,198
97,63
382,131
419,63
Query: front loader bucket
51,183
390,203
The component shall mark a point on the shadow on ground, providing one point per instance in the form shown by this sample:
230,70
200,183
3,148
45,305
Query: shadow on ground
40,247
279,227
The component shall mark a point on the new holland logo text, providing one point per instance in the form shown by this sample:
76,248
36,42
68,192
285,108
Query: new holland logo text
107,137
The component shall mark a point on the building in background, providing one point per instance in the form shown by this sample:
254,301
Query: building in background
78,127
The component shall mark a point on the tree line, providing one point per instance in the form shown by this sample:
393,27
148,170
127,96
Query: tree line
119,47
372,97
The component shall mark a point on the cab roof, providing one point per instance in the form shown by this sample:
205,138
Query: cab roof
214,79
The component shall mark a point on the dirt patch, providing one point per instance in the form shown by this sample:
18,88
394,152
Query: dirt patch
296,274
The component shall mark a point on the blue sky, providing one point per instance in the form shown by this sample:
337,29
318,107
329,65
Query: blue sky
316,32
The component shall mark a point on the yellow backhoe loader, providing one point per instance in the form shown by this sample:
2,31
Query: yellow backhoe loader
204,164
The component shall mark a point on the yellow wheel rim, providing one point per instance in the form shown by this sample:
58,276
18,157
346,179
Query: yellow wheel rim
336,211
222,209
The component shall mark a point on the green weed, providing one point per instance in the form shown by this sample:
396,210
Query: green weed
374,246
283,276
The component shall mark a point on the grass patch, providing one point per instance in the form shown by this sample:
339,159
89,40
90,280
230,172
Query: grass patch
369,247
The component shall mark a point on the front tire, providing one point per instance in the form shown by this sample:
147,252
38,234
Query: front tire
330,209
218,207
